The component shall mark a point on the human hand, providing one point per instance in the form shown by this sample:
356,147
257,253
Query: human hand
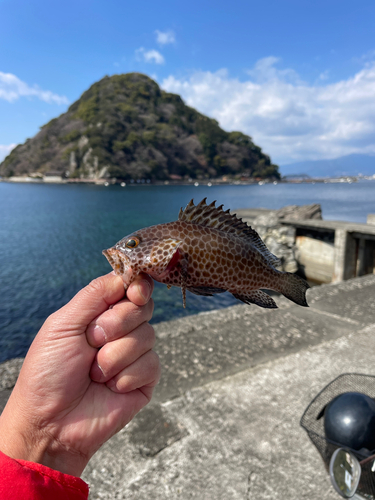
89,370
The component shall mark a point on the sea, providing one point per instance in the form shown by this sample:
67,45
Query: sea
52,237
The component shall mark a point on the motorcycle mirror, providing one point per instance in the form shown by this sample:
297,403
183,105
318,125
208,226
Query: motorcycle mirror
345,472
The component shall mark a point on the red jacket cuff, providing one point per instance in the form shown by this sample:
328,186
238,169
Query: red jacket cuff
32,481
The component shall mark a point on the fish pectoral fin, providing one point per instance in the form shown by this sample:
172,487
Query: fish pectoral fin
205,290
257,297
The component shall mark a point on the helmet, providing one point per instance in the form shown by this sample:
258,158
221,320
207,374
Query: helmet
349,420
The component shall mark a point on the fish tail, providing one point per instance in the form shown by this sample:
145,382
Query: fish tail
293,288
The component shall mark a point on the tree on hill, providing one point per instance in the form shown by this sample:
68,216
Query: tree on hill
125,126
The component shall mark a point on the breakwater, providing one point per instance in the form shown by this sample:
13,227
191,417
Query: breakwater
324,250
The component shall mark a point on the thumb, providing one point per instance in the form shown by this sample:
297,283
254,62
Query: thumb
92,300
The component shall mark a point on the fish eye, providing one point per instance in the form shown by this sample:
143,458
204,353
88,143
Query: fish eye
132,243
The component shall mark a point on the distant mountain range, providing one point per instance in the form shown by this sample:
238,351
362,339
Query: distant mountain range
353,164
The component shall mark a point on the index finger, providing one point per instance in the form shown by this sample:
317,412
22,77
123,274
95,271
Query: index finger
117,322
140,291
93,300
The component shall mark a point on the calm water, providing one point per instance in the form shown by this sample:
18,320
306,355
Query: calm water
51,238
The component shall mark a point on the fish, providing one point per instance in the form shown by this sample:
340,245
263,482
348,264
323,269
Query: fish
206,251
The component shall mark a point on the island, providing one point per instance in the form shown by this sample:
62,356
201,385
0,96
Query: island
125,128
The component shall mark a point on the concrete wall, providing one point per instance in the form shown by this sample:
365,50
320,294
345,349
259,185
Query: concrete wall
316,257
346,258
335,250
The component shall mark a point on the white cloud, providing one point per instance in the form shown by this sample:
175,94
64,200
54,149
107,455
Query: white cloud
5,149
369,56
12,88
165,37
290,119
264,70
324,75
149,56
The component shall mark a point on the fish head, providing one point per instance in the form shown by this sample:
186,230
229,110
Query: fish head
140,252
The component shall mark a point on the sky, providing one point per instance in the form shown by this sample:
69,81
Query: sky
298,76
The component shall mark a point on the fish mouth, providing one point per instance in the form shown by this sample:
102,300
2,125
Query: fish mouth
120,264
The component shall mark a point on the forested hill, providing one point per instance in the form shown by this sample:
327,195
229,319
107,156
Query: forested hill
125,126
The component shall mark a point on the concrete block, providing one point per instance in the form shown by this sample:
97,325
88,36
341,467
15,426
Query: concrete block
351,300
345,256
316,257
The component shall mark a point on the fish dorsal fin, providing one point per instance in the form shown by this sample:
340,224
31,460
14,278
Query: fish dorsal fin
215,217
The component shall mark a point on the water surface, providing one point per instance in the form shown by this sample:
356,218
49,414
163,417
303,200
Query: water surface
51,238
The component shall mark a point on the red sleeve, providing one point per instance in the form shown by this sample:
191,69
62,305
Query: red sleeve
31,481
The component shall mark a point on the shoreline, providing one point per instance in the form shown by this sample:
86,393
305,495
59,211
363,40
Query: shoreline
195,182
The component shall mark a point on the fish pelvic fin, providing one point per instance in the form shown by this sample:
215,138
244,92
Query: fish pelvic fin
257,297
293,288
216,218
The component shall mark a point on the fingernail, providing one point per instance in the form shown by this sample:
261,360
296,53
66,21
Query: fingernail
97,374
145,295
98,335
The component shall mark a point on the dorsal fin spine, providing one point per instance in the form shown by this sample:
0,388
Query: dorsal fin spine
217,218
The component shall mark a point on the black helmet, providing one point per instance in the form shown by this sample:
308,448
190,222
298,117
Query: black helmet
349,420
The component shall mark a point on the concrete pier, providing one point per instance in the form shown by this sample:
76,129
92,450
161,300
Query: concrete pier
345,256
352,251
354,246
224,422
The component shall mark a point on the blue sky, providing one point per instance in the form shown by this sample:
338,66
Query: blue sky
297,76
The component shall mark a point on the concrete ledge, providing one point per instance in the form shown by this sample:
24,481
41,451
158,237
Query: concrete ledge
242,438
209,346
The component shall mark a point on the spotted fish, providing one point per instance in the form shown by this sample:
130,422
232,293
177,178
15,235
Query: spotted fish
206,251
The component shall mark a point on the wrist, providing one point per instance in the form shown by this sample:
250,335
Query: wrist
21,440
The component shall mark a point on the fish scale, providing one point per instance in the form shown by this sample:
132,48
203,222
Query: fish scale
206,251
